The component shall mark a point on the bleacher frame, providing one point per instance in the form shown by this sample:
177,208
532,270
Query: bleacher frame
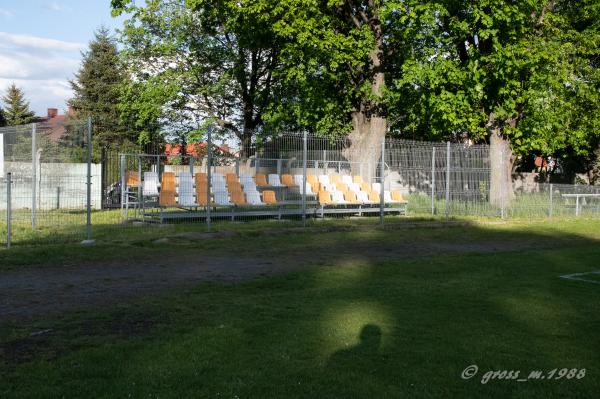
289,198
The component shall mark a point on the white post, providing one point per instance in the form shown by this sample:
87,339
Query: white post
433,181
304,151
447,179
382,183
1,154
88,225
551,210
8,208
208,174
33,175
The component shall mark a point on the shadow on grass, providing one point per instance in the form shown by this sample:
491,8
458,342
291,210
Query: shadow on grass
381,313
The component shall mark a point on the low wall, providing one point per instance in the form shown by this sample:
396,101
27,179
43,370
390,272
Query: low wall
57,186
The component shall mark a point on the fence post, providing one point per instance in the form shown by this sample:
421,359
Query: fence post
503,188
88,224
382,183
447,179
122,168
33,175
304,151
551,210
8,208
141,189
433,181
208,174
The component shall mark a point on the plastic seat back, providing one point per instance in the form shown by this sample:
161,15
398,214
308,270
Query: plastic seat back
324,198
274,180
341,186
347,179
354,187
253,198
335,179
234,186
376,187
269,197
132,179
238,198
358,179
231,178
374,197
288,181
261,180
324,179
338,197
387,197
350,197
222,198
365,187
150,184
200,178
201,195
167,190
186,190
397,196
362,197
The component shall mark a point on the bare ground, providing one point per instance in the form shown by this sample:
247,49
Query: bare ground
32,293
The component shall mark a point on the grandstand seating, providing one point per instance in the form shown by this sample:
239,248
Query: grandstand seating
184,190
274,181
269,197
150,184
167,190
289,181
132,179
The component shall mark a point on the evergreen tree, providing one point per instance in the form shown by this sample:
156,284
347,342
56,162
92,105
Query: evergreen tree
2,119
16,110
96,88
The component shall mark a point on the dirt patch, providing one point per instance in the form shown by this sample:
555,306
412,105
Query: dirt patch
28,294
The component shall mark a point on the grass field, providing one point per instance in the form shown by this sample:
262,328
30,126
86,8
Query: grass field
346,313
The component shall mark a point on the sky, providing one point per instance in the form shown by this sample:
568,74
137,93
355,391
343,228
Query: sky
41,43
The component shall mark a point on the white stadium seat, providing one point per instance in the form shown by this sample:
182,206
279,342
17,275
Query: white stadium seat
347,180
186,189
324,179
150,184
275,181
222,198
253,198
338,197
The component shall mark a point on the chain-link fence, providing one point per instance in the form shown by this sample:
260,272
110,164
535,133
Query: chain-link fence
59,193
44,173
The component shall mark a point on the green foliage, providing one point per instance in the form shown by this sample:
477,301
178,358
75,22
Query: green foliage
2,118
527,67
96,90
16,108
194,61
328,60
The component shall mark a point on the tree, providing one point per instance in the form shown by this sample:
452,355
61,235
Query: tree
96,89
16,110
521,75
2,118
335,60
196,62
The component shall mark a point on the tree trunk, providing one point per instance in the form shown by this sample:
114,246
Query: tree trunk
246,141
501,164
368,125
364,152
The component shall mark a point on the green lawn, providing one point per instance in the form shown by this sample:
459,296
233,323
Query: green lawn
345,327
